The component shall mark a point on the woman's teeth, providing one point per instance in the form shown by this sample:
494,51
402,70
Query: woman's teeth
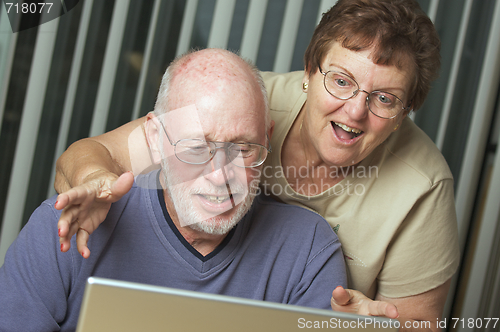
348,129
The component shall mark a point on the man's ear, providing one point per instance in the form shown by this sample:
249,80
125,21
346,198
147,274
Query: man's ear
152,131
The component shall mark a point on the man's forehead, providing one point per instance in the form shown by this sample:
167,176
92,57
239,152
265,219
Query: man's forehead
190,122
184,119
221,97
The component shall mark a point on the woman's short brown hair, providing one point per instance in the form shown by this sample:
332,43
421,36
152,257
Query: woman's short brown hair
400,33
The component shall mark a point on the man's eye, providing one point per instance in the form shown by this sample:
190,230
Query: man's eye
198,149
192,149
242,150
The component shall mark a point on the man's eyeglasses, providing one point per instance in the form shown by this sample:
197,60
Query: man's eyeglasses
198,151
385,105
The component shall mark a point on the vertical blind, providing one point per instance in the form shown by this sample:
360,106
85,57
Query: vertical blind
99,66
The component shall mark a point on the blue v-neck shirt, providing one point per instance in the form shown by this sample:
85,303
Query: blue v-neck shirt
277,252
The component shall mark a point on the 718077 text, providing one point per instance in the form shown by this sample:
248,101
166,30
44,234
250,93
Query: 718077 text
30,8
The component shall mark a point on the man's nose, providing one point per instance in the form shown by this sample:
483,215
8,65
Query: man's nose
219,168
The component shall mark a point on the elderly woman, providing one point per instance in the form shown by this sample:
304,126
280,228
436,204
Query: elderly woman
344,147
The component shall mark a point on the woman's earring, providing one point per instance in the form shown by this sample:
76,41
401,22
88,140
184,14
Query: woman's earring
304,86
396,128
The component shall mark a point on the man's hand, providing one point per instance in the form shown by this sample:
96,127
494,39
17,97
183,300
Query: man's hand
353,301
86,206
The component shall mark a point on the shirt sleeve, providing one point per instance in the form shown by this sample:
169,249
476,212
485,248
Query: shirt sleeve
424,253
324,271
33,280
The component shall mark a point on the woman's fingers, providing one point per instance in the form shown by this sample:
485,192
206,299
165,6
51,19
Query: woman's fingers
86,206
349,300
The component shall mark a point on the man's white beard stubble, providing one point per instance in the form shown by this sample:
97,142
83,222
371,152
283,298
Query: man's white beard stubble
181,196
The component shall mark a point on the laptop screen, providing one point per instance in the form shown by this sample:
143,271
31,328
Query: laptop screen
112,305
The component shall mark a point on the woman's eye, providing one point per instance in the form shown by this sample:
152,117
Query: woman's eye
384,99
341,82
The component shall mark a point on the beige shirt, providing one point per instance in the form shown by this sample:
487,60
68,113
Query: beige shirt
395,212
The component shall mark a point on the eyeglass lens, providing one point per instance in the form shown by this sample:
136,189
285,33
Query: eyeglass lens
383,104
194,151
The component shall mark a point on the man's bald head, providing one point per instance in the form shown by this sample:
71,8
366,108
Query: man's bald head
212,73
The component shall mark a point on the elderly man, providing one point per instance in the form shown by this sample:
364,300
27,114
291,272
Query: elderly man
194,224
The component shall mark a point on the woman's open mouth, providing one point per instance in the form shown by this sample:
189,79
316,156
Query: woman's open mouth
344,132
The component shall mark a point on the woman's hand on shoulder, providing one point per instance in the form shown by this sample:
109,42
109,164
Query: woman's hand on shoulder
85,206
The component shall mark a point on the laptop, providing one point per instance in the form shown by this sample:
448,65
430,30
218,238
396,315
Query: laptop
112,305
